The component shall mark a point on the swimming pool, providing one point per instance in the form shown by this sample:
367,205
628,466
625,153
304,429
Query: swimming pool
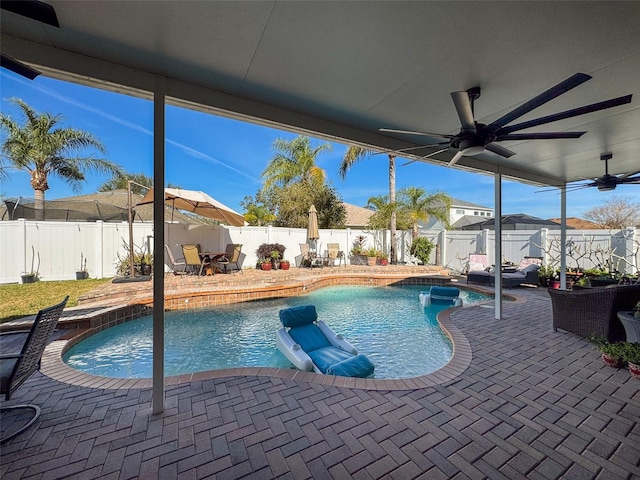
385,323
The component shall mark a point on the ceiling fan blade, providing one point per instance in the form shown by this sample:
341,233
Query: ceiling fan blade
410,132
33,9
465,112
18,67
627,175
594,107
401,150
455,158
539,136
426,156
553,92
630,180
500,150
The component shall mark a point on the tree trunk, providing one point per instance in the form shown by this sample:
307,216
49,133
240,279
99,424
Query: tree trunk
39,204
392,200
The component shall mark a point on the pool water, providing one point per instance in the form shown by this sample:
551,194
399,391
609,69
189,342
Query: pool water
387,324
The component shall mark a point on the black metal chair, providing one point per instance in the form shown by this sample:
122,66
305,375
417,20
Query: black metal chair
16,368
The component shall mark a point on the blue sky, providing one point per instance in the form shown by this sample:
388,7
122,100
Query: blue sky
225,157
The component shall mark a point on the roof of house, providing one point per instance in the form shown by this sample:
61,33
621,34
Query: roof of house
357,216
456,202
578,223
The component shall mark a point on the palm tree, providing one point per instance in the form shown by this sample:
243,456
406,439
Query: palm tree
353,155
420,206
294,161
259,215
377,203
41,149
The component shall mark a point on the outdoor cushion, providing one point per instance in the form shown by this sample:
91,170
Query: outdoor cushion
443,295
298,316
358,366
333,361
309,337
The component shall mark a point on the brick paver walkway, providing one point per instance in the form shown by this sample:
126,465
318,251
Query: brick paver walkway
532,404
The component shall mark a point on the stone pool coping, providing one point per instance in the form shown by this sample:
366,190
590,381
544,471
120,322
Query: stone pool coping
79,327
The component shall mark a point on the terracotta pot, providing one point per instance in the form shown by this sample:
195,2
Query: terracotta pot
634,370
285,265
555,284
384,262
371,261
612,361
266,266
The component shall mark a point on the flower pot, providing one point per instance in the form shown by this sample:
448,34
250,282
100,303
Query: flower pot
371,261
82,275
285,265
145,269
634,370
28,278
610,361
266,266
384,262
555,284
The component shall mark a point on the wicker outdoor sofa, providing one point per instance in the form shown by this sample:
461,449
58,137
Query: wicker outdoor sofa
589,311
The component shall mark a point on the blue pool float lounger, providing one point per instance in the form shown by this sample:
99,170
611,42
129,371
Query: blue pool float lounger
310,344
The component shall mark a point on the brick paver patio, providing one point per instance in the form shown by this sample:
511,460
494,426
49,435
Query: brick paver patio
532,403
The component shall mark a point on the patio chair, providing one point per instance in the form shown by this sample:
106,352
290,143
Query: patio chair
193,259
175,264
311,345
16,368
334,253
231,257
478,269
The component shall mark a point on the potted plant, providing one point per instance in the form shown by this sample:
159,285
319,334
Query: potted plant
146,264
82,273
275,257
613,354
266,264
285,264
632,357
372,256
383,259
357,252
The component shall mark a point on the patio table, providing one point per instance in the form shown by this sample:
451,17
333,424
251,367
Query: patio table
213,257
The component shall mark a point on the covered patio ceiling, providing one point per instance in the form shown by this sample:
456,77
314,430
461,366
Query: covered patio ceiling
343,70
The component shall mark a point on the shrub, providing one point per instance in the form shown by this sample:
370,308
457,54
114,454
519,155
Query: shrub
421,249
632,353
264,251
614,350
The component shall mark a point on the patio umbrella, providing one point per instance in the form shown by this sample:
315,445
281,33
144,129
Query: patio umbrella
312,228
197,202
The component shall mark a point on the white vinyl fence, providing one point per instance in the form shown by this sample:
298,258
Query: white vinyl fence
55,249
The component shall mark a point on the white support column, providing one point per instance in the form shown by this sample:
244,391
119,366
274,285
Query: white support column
443,247
498,245
158,244
563,237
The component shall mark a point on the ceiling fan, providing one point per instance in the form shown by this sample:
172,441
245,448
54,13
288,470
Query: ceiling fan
608,182
475,137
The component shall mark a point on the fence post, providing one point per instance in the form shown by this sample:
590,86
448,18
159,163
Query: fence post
99,252
544,235
630,259
442,240
23,244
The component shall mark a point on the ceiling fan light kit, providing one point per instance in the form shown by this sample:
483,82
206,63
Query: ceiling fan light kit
475,138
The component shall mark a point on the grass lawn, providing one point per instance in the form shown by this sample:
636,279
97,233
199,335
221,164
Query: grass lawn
20,300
